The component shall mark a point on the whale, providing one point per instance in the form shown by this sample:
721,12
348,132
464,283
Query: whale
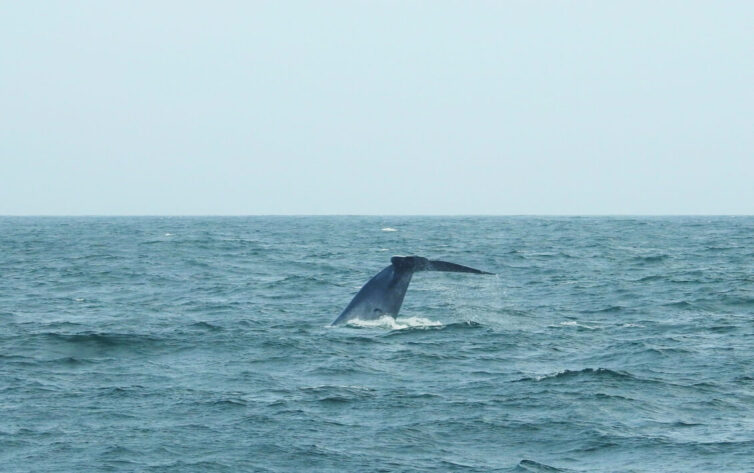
384,293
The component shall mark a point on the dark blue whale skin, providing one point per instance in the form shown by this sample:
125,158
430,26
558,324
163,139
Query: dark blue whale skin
384,293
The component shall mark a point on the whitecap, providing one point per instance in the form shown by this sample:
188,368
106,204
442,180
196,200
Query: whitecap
389,229
573,323
168,234
391,323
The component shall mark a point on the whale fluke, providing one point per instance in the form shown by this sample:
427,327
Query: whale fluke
384,293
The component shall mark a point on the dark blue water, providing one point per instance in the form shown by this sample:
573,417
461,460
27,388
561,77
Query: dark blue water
202,344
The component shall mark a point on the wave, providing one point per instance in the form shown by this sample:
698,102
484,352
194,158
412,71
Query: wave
229,401
298,280
651,258
331,393
653,277
612,308
469,324
679,304
389,322
206,326
463,325
586,372
532,466
104,340
69,361
740,301
573,323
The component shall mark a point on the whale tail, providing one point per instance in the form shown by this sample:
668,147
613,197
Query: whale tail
383,294
452,268
418,263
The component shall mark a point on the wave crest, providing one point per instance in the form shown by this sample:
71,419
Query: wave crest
532,466
389,322
588,372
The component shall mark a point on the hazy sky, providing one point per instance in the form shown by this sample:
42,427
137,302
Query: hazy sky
376,107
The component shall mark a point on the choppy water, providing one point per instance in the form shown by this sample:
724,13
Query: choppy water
202,344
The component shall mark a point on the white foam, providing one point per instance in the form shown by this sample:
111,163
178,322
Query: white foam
389,229
168,234
573,323
391,323
551,375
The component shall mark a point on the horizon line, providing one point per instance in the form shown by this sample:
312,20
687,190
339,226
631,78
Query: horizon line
372,215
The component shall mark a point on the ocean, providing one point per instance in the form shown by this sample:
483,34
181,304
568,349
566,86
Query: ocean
203,344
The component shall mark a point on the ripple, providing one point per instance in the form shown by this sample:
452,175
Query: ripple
593,373
606,344
535,467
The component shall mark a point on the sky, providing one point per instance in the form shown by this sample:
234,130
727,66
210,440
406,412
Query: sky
376,107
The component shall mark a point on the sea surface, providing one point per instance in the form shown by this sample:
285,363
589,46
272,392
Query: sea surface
167,344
